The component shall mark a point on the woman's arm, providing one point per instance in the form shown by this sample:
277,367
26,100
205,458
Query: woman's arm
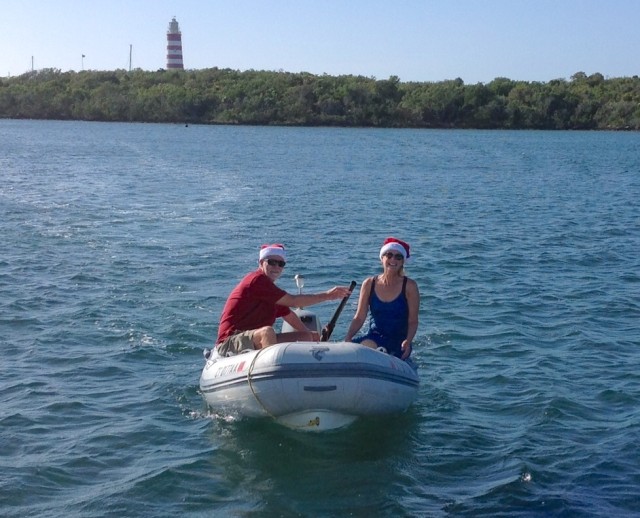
413,301
361,312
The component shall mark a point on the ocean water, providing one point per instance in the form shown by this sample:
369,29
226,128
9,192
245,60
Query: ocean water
120,243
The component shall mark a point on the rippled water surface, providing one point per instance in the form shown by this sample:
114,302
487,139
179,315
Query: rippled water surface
121,243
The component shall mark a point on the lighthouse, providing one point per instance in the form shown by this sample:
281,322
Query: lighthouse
174,46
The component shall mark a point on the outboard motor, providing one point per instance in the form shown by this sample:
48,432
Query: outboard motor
309,318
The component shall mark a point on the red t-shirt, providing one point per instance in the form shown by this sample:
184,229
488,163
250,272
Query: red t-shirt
251,304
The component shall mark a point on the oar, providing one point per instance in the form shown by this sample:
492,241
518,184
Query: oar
328,329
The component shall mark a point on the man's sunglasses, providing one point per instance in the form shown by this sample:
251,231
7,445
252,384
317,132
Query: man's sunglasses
391,255
276,262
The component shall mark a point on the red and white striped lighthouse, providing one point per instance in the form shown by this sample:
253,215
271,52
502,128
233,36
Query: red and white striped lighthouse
174,46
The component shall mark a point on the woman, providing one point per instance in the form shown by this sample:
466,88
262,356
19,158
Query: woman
394,301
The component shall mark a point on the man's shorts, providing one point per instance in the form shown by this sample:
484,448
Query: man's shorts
237,343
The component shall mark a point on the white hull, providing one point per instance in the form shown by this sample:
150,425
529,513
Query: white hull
310,385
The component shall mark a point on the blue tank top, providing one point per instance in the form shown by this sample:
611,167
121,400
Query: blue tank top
389,320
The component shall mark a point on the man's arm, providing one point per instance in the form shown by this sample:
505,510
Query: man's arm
309,299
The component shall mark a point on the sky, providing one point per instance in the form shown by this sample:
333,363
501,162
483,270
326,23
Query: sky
415,40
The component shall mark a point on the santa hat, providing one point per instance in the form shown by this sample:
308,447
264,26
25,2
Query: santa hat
269,250
391,244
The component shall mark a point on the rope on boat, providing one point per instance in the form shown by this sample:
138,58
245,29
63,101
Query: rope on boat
313,422
249,373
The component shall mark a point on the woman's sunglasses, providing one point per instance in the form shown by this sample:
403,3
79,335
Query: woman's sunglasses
391,255
276,262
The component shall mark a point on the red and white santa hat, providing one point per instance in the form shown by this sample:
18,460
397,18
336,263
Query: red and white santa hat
391,244
269,250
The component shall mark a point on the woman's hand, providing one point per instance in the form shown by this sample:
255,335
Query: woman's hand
406,349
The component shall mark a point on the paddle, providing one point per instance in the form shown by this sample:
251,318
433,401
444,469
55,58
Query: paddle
328,329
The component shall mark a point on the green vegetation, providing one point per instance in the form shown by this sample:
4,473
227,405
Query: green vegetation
217,96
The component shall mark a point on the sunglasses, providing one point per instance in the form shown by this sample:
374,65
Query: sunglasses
276,262
391,255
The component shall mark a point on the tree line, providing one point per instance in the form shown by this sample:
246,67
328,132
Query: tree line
225,96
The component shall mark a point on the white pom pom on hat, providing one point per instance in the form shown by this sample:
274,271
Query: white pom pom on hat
395,245
270,250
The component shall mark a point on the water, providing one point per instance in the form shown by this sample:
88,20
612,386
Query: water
122,241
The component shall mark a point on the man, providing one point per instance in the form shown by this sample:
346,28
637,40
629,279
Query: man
254,304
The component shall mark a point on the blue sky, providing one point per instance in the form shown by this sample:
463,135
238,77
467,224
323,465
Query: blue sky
416,40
